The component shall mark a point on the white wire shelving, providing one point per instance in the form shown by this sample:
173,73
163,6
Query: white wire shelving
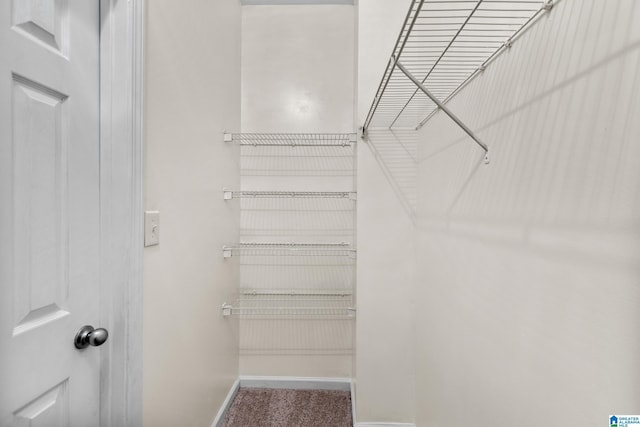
296,267
292,303
292,139
231,194
442,46
289,249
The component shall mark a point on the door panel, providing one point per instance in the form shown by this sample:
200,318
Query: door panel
44,21
49,211
39,205
49,409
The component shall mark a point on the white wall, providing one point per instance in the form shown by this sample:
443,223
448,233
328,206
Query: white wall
298,75
529,267
385,333
385,328
192,95
379,23
298,68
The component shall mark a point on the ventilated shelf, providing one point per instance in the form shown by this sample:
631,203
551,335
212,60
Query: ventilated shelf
230,194
292,139
444,44
289,249
286,303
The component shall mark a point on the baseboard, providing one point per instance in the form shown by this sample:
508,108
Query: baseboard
296,383
384,425
217,421
353,403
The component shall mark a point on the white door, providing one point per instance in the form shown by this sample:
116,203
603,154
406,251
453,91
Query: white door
49,211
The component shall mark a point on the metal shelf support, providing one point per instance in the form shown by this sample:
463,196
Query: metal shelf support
445,109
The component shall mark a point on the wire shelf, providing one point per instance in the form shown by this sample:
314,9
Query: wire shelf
230,194
444,44
292,139
292,303
289,249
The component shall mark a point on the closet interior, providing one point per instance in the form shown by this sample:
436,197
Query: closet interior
430,201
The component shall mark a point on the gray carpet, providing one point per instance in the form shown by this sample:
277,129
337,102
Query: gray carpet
260,407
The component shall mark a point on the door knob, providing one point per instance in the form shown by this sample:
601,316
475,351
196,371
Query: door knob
87,336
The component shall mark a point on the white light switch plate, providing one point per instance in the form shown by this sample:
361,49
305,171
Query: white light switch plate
151,228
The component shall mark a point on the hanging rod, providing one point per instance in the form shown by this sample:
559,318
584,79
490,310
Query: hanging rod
443,44
230,194
546,7
292,139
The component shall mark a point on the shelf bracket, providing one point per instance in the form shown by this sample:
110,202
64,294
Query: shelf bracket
226,309
362,133
445,109
227,252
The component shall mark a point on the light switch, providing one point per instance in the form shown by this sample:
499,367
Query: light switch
151,228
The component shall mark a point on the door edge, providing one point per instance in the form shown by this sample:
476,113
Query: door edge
121,200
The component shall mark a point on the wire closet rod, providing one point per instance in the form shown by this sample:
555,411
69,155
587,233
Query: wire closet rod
431,71
442,46
546,7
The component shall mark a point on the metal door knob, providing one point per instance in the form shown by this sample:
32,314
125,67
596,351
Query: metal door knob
87,336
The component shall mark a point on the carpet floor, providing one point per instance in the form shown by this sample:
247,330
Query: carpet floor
260,407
